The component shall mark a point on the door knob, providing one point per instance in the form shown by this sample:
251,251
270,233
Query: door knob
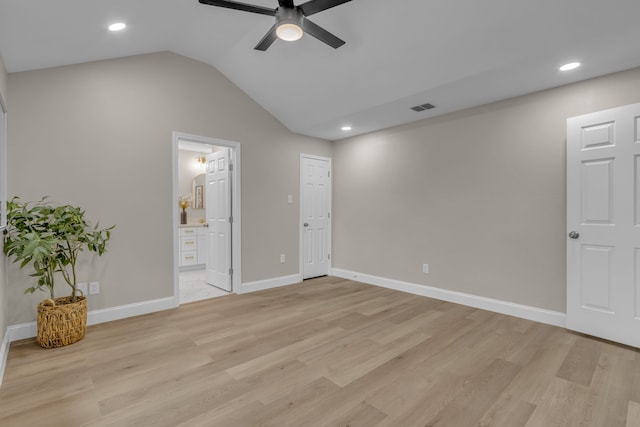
306,224
574,235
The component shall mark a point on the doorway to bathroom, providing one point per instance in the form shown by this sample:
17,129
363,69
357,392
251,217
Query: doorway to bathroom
206,191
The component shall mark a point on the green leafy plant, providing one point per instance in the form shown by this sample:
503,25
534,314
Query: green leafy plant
50,238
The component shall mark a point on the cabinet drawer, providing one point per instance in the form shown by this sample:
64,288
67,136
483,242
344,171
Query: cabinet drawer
188,243
189,231
188,258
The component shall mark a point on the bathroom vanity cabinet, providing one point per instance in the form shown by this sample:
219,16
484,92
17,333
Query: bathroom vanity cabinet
193,246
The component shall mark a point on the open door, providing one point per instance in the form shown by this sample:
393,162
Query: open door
218,208
603,224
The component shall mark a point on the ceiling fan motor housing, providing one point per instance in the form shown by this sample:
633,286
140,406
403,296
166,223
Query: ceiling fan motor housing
289,16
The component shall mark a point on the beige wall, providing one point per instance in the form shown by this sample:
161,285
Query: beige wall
100,135
479,195
4,315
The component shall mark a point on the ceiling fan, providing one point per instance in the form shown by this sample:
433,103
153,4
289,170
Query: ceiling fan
291,21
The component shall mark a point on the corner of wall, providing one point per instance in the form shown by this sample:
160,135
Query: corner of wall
4,315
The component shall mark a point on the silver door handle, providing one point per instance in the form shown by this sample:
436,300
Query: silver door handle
574,235
306,224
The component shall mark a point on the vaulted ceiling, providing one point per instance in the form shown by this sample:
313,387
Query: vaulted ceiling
398,54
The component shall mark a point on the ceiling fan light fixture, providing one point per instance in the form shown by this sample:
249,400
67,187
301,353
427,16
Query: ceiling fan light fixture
289,32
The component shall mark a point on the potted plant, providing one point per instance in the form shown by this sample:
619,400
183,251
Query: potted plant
50,238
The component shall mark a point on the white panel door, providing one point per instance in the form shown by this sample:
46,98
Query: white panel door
218,212
603,222
315,202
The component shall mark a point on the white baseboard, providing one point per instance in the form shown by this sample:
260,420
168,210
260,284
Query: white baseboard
536,314
4,352
29,330
275,282
129,310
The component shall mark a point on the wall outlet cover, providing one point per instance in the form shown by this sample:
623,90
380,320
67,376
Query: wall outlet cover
94,288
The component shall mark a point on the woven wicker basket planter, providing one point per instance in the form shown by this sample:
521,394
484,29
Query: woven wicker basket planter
61,322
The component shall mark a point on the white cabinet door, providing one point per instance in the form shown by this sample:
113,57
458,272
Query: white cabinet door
218,200
603,222
202,245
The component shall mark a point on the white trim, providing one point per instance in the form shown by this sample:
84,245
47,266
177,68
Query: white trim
301,214
22,331
536,314
3,165
236,205
29,330
129,310
4,352
275,282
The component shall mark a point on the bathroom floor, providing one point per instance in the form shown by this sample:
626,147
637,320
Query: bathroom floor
193,287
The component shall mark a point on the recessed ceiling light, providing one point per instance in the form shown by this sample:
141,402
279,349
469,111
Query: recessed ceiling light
346,128
570,66
118,26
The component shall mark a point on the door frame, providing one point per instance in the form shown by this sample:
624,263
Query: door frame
301,213
3,164
236,202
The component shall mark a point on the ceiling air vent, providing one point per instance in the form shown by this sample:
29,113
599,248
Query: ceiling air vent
423,107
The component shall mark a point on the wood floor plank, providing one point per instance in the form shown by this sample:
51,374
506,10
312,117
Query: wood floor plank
633,414
507,411
564,404
581,362
533,380
325,352
611,388
477,396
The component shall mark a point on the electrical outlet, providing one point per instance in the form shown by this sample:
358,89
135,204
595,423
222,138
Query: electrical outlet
425,268
84,287
283,258
94,288
290,198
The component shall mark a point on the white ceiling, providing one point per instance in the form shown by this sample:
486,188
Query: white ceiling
453,54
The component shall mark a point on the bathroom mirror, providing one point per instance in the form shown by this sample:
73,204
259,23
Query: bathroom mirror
197,189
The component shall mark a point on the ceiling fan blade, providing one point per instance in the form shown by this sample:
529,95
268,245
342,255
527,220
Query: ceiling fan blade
321,34
240,6
286,3
315,6
267,40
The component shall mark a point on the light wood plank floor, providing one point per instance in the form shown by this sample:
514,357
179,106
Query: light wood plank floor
329,352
